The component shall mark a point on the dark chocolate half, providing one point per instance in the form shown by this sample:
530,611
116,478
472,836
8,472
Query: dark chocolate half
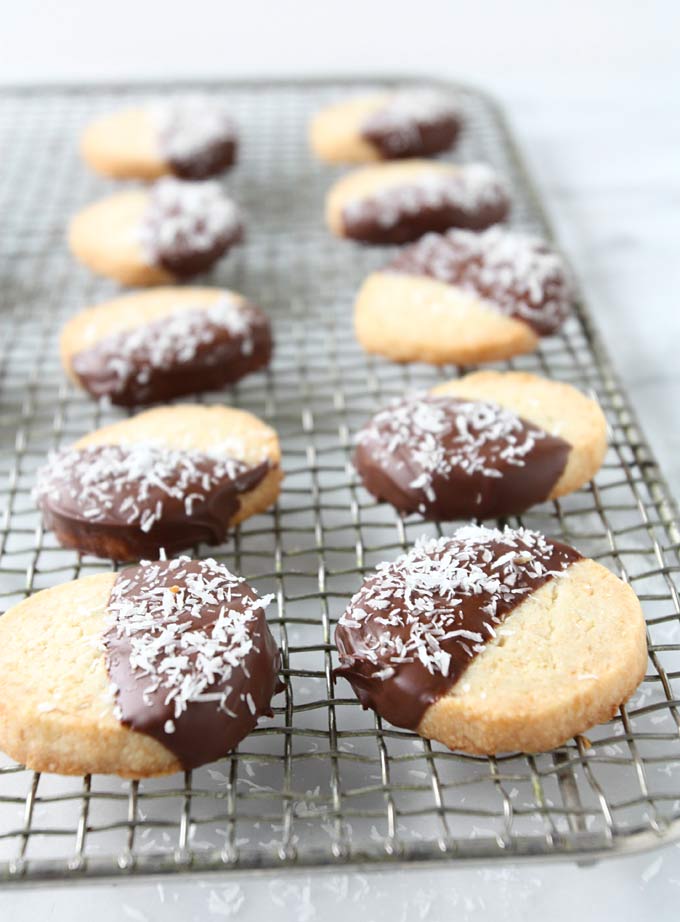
186,352
448,457
191,658
133,501
473,197
520,275
196,137
414,123
188,226
415,626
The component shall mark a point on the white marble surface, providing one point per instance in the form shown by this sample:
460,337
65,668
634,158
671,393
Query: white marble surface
593,91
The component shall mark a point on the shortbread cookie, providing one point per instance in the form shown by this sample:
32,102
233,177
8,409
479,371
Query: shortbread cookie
174,230
155,345
398,202
193,138
488,445
492,641
162,667
464,298
386,126
163,480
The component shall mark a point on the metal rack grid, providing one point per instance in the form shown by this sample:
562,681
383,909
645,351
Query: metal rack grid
322,783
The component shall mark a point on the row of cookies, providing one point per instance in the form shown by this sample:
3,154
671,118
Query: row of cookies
178,660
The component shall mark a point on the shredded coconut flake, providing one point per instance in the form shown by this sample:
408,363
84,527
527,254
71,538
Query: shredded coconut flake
429,584
173,340
431,435
470,188
195,215
131,481
186,661
518,274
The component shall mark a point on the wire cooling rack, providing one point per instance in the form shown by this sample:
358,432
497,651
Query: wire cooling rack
322,783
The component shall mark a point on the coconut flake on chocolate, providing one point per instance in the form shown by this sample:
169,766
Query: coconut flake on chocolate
187,226
189,654
473,196
519,275
186,351
414,121
416,624
449,457
146,494
196,136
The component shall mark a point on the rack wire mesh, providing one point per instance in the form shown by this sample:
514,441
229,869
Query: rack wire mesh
322,782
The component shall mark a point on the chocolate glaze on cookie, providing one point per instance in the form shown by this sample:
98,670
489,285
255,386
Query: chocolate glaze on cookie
449,458
133,501
473,197
414,627
414,123
190,656
196,137
188,351
188,226
520,275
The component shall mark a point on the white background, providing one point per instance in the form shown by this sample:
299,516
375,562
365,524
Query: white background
593,92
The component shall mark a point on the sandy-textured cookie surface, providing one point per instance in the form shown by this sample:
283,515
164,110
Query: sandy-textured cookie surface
163,343
165,479
193,138
173,230
386,126
161,667
464,298
491,641
399,202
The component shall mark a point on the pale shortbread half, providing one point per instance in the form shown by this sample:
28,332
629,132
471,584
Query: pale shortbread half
557,408
124,145
105,237
212,429
410,318
335,133
563,661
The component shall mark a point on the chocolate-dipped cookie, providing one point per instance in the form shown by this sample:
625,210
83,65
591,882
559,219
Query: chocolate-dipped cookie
193,138
464,298
387,126
491,641
155,345
159,668
163,480
399,202
488,445
173,230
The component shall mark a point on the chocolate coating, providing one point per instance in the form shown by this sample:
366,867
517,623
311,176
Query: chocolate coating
188,226
415,626
473,198
189,631
196,137
448,458
132,501
184,353
413,124
520,275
